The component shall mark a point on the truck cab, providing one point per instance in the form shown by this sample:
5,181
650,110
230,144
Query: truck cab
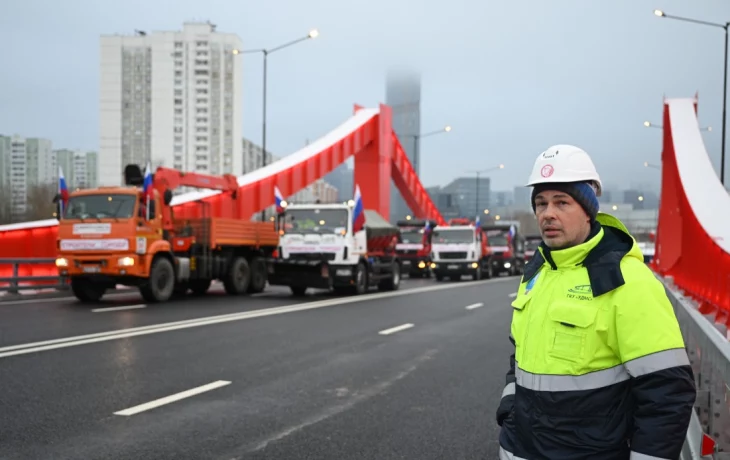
318,249
414,247
507,248
103,238
531,244
459,250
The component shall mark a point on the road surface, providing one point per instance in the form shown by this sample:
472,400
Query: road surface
412,374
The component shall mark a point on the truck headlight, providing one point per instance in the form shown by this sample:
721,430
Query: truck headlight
61,262
126,261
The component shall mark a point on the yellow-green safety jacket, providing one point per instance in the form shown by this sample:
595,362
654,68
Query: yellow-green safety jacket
599,370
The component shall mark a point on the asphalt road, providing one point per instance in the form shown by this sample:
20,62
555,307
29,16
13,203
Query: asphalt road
415,374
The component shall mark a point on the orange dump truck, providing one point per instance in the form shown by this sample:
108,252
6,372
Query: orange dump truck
129,236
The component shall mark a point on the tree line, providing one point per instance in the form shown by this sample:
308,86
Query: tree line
39,204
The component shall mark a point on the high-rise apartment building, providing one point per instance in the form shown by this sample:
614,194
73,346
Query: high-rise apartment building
172,98
403,95
80,169
26,163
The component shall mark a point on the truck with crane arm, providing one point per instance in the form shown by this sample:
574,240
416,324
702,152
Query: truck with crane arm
130,236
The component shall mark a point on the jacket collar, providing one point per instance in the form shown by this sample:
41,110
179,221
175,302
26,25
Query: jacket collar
601,254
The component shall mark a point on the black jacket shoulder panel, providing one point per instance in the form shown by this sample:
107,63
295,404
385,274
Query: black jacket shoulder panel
603,263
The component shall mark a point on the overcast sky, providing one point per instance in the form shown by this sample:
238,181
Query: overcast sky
511,77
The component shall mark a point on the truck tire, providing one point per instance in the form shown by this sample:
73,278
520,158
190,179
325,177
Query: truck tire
238,277
161,285
199,287
361,279
86,291
392,283
298,291
258,275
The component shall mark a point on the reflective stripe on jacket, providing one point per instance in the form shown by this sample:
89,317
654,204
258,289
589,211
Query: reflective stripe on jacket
599,370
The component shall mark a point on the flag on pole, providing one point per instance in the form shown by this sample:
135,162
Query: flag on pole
147,188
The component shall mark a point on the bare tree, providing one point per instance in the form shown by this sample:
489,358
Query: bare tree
6,209
40,203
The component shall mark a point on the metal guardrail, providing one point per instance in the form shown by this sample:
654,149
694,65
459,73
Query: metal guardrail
709,354
15,283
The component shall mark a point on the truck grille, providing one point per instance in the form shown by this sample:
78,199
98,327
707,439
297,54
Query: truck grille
452,255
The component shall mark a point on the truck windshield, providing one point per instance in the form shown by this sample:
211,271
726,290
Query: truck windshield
412,236
106,206
315,220
531,245
497,240
453,236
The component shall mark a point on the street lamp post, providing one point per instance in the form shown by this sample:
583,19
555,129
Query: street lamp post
725,26
649,124
417,137
478,173
314,33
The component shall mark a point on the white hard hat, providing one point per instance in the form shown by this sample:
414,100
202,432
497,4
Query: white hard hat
564,163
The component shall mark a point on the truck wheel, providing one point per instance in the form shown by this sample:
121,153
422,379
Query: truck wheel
361,279
238,277
392,283
199,287
161,285
86,291
298,291
258,275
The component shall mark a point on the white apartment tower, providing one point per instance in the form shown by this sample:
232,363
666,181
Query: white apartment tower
172,98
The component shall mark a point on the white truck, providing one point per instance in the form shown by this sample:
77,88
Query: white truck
460,249
317,249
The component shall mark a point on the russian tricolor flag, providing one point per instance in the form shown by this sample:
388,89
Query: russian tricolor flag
62,190
279,200
358,213
147,188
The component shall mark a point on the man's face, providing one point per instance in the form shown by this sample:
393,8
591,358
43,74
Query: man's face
563,222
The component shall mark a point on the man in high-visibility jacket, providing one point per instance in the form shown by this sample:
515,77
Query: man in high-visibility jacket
600,370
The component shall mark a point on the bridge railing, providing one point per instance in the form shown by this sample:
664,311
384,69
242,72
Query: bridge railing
19,274
709,353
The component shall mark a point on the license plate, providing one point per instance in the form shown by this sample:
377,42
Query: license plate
92,269
452,267
343,272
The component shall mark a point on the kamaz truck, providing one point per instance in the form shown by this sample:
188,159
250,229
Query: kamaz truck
459,249
414,247
318,249
130,236
507,247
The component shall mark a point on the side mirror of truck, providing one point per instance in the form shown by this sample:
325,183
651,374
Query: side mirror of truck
167,197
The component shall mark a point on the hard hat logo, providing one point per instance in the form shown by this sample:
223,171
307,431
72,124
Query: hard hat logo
547,171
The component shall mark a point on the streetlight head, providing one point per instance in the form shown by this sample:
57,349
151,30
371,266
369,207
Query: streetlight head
447,128
501,166
659,13
646,164
641,198
647,124
236,51
314,33
709,128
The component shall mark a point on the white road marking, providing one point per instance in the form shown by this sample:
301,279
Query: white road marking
172,398
393,330
54,344
128,307
513,295
474,305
